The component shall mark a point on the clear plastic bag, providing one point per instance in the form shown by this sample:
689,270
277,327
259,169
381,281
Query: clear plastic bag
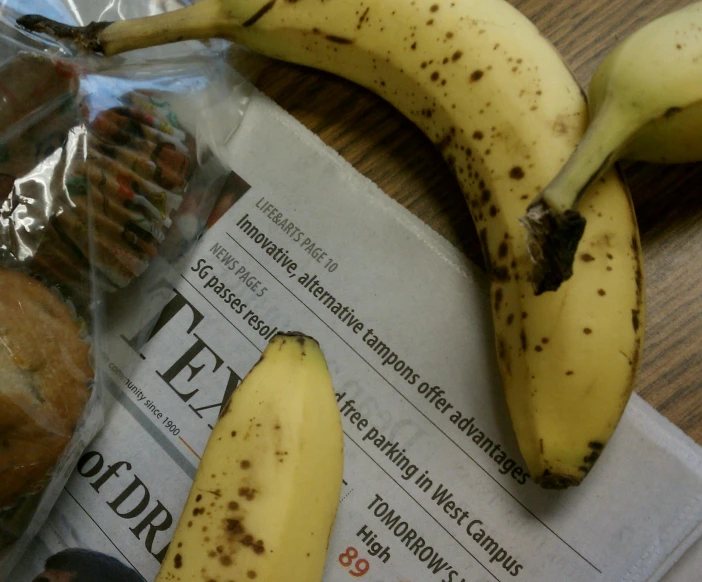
106,178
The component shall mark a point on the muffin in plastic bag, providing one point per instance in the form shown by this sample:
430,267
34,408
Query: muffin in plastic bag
96,162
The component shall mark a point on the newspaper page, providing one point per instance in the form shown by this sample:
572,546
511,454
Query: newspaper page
434,486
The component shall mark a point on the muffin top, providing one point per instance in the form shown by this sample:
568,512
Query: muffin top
45,382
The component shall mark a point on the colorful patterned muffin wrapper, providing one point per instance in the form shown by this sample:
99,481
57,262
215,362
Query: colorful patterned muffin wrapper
111,206
122,187
165,172
157,107
88,186
107,251
105,224
115,127
117,190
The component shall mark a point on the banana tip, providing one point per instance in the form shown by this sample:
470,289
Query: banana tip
85,37
298,335
557,482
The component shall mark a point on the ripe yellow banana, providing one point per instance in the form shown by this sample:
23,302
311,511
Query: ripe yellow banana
495,97
264,499
645,103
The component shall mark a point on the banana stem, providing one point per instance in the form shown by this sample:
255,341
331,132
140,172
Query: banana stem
598,149
554,227
193,22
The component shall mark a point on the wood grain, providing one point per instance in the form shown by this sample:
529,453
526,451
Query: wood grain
385,147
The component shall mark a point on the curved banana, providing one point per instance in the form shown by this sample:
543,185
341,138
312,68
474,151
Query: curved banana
645,103
265,496
497,100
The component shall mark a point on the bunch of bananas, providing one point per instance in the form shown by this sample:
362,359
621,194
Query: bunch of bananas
556,224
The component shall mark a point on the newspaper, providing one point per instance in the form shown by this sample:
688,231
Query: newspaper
434,486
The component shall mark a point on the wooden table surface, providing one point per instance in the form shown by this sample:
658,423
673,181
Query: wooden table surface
389,150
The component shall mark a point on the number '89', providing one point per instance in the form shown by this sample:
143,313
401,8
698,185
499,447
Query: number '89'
357,566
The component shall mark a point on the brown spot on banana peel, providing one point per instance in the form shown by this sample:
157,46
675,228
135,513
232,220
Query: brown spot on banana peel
499,294
636,356
445,142
635,319
590,460
363,19
338,39
247,493
503,355
516,173
500,273
259,14
639,273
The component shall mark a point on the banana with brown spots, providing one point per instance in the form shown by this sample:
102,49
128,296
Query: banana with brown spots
495,97
265,496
